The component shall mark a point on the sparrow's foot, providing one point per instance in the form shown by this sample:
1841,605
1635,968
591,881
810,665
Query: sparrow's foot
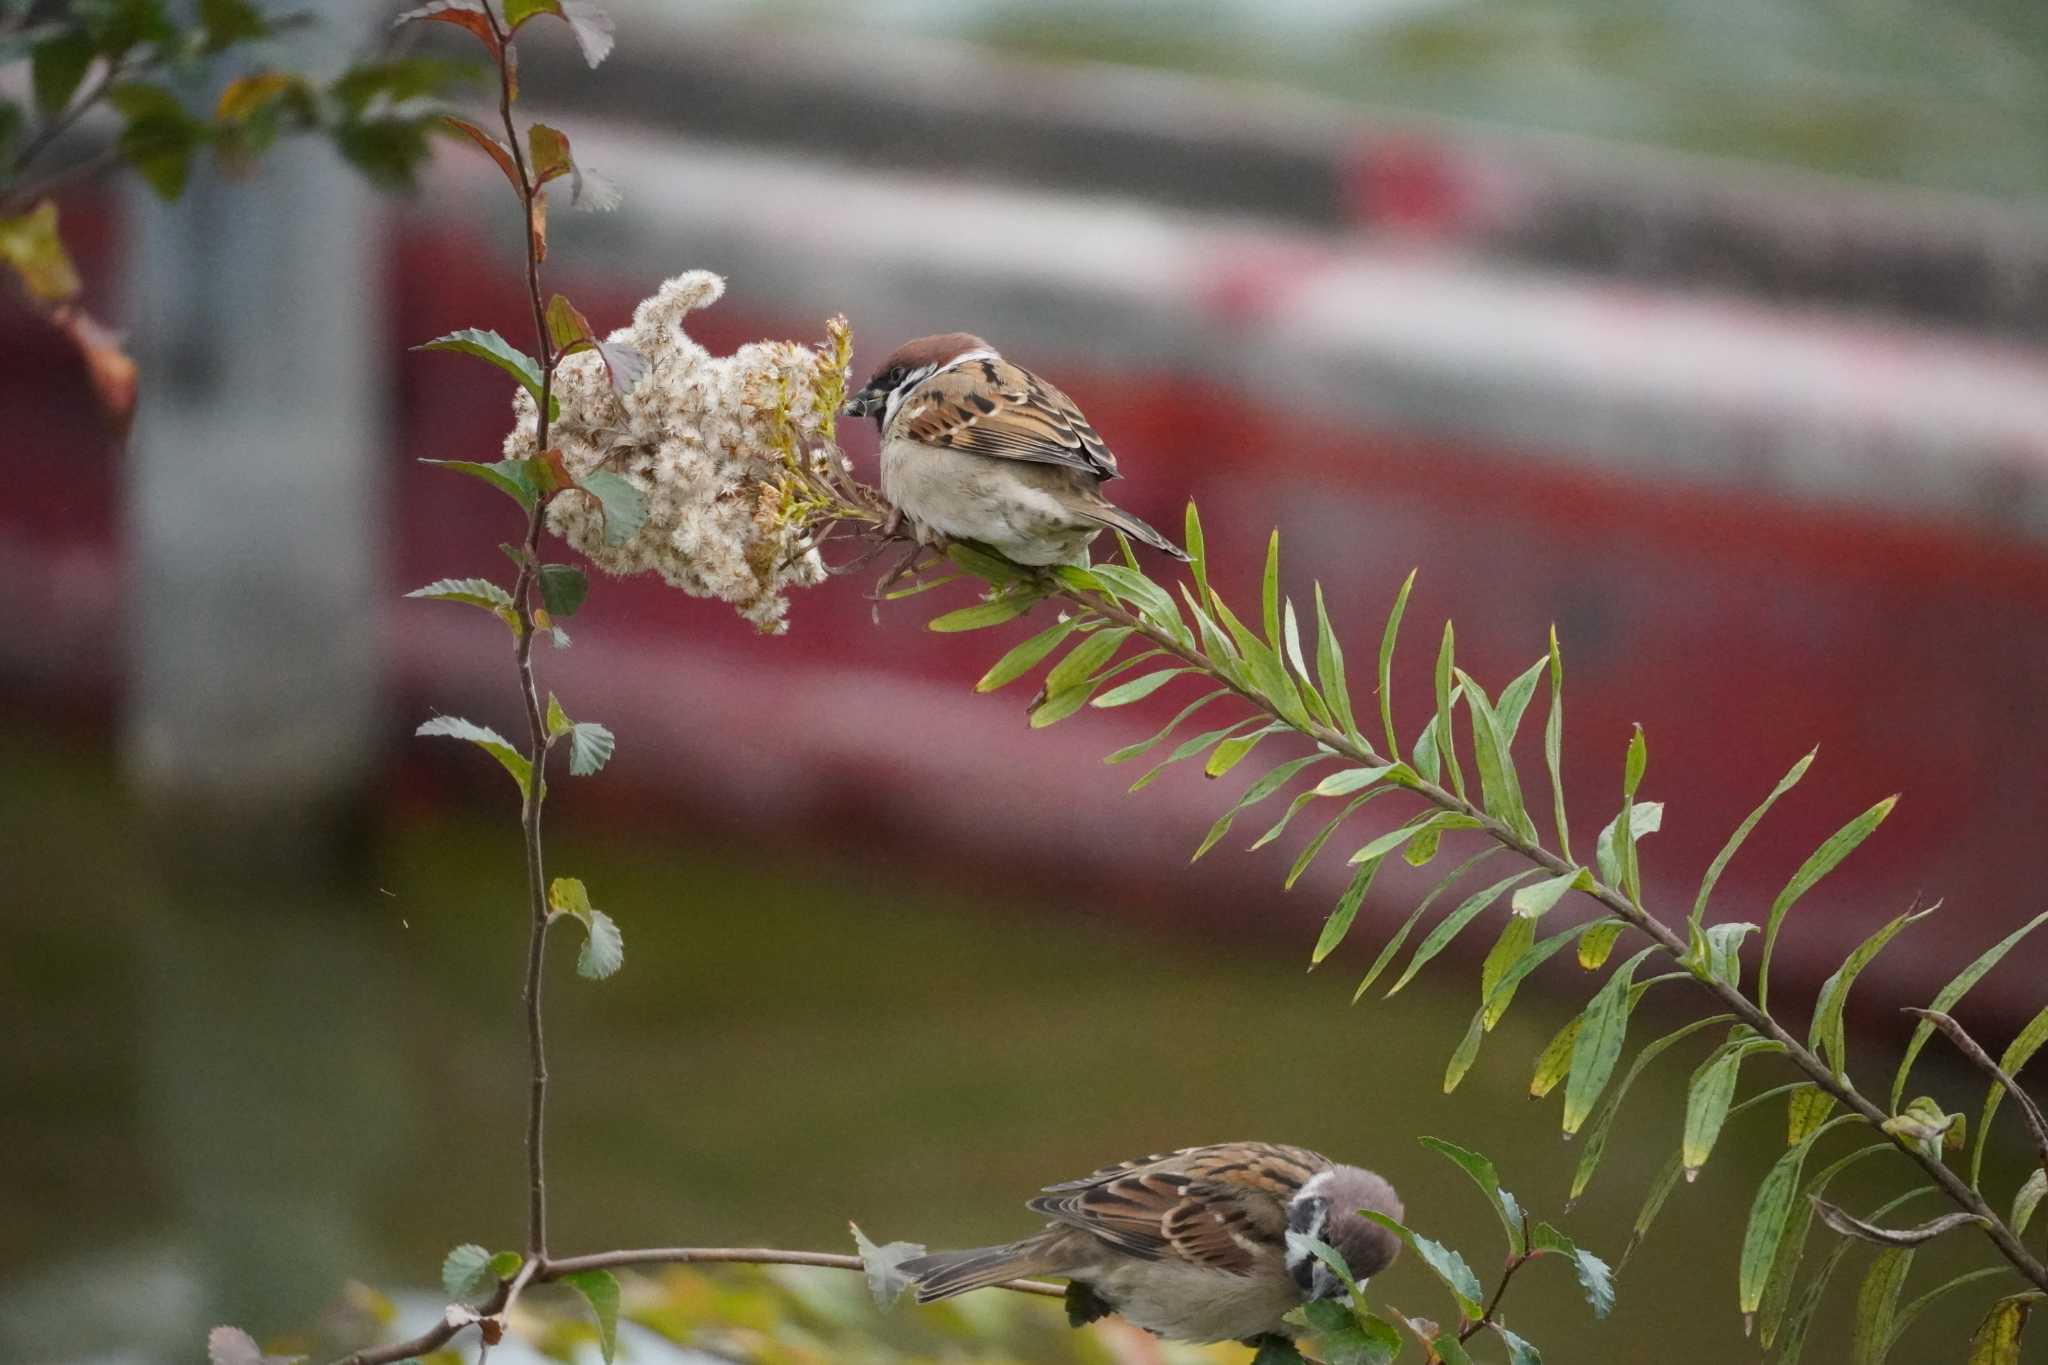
1084,1305
896,571
893,526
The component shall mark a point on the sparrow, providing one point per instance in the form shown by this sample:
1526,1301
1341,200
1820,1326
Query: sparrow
976,448
1200,1245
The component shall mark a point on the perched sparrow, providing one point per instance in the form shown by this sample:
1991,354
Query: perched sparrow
1191,1245
976,448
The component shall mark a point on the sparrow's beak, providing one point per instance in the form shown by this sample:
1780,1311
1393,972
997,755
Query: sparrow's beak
866,403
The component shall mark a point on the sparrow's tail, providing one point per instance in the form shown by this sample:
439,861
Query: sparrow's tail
946,1273
1114,517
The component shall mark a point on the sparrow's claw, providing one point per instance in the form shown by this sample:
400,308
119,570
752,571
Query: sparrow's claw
896,571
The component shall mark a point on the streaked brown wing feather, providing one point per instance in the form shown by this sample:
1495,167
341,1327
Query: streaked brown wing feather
1221,1207
994,408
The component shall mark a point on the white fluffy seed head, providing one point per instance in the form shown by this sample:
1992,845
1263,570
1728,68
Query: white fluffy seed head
710,440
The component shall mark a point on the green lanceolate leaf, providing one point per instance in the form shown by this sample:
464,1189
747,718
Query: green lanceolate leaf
1555,1059
1352,779
1597,941
1189,748
1997,1338
1393,945
513,478
1154,604
1084,659
1920,1305
625,506
1131,751
1487,1179
1769,1211
1387,638
1027,656
1877,1305
2017,1054
1499,787
1516,934
1553,748
1496,1002
1198,554
1441,822
1708,1098
1822,861
1236,749
600,1289
1720,863
1717,951
1446,747
1955,990
1826,1035
1806,1109
485,738
488,346
1602,1122
1536,900
1599,1043
982,615
1624,843
1454,923
1330,670
1653,1203
1792,1246
1339,922
1792,1342
1446,1264
1514,700
1644,817
1269,591
1255,793
2026,1199
1322,836
1138,689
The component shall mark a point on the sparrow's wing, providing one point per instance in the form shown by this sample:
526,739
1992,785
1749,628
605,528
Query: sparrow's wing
991,407
1222,1208
1161,1217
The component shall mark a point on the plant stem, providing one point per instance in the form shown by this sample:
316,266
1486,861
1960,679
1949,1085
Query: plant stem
543,1271
1477,1325
1740,1005
536,719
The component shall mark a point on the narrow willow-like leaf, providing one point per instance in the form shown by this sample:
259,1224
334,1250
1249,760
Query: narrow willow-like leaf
1877,1305
2017,1054
1769,1211
1197,548
1487,1178
1955,990
1131,751
1514,700
1236,749
1653,1203
1025,657
1553,748
1387,639
1806,1109
2026,1199
1720,863
1057,706
1393,945
1446,741
1822,861
1708,1098
1495,1003
1268,676
1516,936
1294,808
1920,1305
1719,951
1826,1034
1555,1059
1626,862
1644,817
1454,923
1599,1043
1216,645
1189,748
1137,690
982,615
1339,922
1305,680
1315,845
1258,791
1352,779
1536,900
1499,787
1597,942
1447,1265
1792,1247
1330,671
1269,591
1084,659
1997,1338
1155,605
1602,1122
1793,1342
1441,822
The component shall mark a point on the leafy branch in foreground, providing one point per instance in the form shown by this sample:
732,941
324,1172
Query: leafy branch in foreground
1114,619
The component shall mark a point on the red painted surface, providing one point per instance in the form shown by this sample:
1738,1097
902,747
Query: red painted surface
1738,630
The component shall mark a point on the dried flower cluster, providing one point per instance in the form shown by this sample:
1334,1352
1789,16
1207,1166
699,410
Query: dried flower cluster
728,450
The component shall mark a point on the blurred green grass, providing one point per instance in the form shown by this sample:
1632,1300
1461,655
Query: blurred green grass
797,1040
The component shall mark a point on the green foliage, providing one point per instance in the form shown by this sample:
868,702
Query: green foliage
514,478
600,1289
1818,864
465,1270
488,346
604,948
487,739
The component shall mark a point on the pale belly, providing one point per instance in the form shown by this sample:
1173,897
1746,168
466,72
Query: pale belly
1004,504
1184,1303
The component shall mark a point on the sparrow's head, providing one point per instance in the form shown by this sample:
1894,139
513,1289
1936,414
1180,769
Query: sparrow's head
1327,1207
910,365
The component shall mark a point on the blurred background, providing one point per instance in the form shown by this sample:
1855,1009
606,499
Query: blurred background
1713,334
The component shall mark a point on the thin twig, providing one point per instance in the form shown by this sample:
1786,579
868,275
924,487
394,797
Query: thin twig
1479,1324
540,1271
1965,1044
1632,914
